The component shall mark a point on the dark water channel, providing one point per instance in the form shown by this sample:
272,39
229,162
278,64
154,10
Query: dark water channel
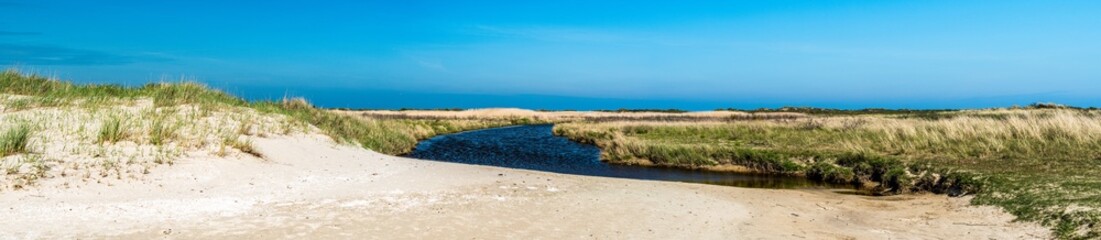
535,147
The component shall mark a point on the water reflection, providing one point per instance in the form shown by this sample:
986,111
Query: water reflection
535,147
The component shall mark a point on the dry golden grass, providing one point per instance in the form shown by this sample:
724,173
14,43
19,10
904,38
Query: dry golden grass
1039,164
965,134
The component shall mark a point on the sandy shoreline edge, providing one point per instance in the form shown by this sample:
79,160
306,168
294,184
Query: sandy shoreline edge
309,186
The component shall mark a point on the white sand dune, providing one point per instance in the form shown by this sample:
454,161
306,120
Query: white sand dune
309,187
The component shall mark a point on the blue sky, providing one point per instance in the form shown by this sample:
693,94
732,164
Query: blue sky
577,54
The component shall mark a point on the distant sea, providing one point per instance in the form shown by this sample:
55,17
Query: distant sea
385,99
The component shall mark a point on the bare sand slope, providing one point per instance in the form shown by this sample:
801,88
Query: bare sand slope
310,187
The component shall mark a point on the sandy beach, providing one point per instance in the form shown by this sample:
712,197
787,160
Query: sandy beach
346,119
307,186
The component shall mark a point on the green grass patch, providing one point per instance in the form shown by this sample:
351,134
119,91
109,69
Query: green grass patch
161,132
15,140
112,130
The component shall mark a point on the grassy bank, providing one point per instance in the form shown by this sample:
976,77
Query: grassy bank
1039,164
94,133
77,133
390,136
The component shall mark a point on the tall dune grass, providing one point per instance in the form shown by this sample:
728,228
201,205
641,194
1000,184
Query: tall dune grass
112,130
1050,133
1040,163
386,135
14,140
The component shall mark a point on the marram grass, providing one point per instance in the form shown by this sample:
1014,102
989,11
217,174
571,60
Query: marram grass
1039,164
14,140
390,136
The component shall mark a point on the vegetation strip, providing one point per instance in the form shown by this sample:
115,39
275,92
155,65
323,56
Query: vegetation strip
1038,163
390,136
